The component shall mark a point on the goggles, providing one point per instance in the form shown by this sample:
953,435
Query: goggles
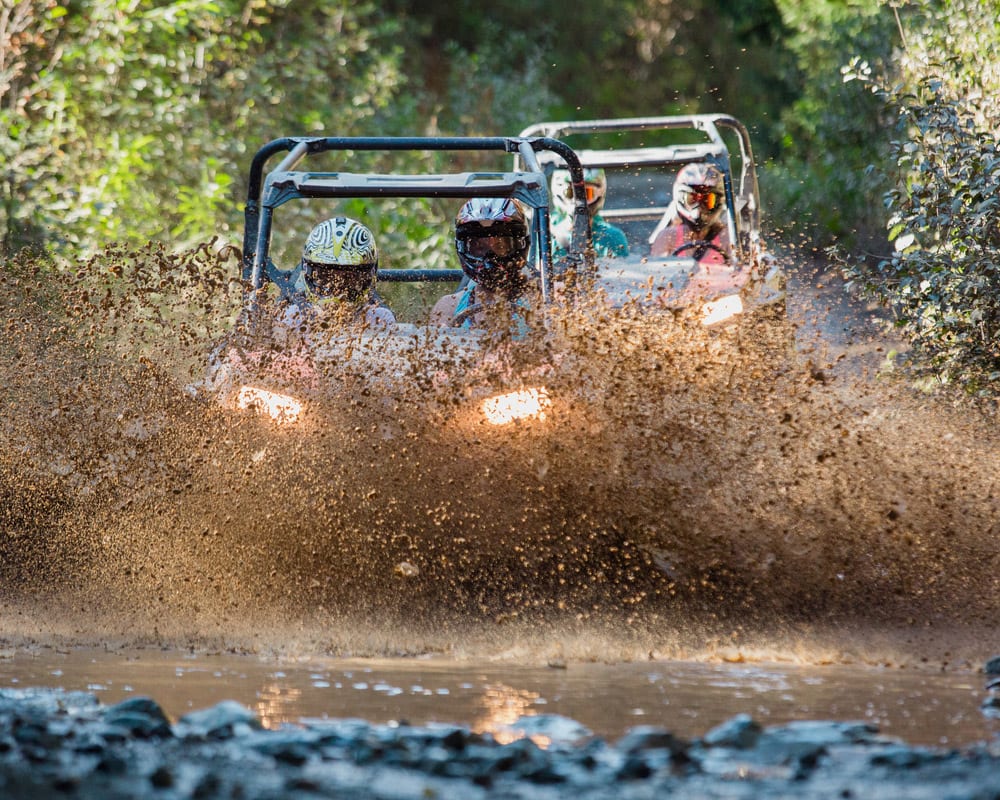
485,246
707,200
316,266
593,192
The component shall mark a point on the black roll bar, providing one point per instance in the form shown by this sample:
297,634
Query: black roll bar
282,184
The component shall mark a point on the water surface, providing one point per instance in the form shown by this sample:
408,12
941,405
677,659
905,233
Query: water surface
689,698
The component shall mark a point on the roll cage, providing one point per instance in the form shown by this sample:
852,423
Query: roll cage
528,184
742,196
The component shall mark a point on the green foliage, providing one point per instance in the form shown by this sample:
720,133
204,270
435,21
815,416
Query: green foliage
820,186
600,58
943,280
128,121
29,34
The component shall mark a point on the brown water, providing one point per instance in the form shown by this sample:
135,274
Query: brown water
693,496
689,698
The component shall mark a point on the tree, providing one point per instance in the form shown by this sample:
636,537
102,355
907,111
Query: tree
943,278
819,184
128,120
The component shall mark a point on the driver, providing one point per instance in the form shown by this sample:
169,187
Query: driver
608,240
694,223
339,265
491,238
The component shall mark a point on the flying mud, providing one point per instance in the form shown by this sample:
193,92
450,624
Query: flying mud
689,491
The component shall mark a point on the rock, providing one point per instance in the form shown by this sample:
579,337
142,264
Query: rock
554,728
222,753
648,737
222,721
140,716
991,706
904,757
740,732
162,778
635,768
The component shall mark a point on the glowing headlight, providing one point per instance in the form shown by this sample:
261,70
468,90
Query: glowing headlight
523,404
722,309
279,407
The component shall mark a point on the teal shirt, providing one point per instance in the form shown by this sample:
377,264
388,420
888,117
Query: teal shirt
609,241
468,298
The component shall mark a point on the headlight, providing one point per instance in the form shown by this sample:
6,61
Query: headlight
531,403
722,309
279,407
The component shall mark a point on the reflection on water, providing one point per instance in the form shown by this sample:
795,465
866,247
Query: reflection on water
502,707
276,701
688,698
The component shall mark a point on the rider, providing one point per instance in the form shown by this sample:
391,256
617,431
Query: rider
491,238
609,241
339,265
336,279
694,224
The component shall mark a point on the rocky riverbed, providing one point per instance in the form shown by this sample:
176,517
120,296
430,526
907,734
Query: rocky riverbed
67,744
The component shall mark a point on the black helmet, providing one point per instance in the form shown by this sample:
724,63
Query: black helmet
491,237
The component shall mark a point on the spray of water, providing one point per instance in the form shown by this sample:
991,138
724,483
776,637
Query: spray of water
689,492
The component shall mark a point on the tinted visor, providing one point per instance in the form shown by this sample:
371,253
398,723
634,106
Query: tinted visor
350,283
500,246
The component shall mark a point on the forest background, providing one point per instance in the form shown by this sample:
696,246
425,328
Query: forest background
875,123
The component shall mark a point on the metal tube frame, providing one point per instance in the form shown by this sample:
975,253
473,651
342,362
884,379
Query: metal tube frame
266,193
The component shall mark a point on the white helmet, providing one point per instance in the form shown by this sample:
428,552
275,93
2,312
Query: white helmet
595,183
340,259
699,194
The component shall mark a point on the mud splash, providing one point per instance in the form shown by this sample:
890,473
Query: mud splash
690,492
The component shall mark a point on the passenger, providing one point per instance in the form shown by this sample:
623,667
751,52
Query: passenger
609,241
336,283
694,224
491,238
339,267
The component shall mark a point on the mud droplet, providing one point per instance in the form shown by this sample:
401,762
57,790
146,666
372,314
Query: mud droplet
407,570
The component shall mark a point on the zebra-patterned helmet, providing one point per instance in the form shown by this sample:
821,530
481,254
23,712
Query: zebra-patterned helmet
340,259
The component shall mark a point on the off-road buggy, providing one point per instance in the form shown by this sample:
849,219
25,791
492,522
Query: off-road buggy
641,156
268,276
284,183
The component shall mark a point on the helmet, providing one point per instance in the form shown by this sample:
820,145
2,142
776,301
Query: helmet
596,184
491,237
699,191
340,259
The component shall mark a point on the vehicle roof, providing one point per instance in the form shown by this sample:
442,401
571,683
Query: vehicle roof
286,182
280,187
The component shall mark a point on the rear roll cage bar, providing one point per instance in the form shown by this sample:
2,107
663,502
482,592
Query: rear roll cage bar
715,151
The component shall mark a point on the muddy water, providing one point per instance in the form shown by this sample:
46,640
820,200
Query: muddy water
689,698
692,496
